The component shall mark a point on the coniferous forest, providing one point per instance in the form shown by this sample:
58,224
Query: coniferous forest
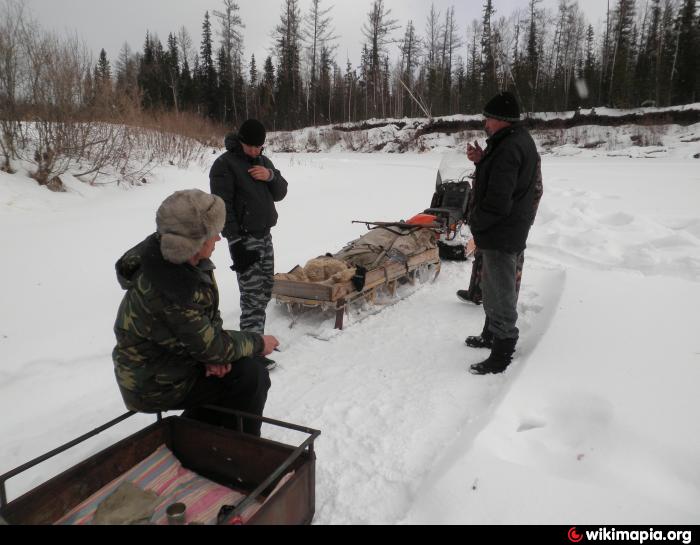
644,54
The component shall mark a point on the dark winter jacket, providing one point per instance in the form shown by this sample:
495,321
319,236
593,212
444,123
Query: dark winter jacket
506,191
250,204
168,328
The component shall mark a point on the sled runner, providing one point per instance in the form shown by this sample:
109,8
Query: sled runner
221,475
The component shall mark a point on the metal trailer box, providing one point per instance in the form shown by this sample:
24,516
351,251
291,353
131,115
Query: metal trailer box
250,464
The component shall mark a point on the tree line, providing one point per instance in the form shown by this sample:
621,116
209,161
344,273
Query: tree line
553,60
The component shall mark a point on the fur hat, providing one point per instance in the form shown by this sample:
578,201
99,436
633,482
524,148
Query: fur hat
252,133
186,220
503,106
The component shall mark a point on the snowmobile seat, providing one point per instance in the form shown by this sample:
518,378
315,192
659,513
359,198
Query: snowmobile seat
450,201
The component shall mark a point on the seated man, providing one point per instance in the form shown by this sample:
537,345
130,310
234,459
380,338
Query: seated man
172,350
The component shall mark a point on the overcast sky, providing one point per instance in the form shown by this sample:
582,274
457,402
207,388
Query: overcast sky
108,24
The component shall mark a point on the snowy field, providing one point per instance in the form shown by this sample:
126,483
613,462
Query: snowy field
596,421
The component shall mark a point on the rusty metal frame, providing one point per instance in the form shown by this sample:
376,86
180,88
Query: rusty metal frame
36,461
306,445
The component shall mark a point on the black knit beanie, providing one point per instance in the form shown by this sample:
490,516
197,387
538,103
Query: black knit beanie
252,133
503,106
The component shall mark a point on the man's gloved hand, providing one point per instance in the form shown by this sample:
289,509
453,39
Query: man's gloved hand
242,257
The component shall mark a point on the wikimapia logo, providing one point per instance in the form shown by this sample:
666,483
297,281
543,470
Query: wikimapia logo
574,536
636,536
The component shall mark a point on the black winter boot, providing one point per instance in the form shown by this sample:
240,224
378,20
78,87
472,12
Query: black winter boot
466,296
500,358
485,340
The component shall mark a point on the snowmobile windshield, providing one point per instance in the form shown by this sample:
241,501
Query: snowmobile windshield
454,167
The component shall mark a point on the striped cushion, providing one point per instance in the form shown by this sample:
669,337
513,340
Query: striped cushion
163,474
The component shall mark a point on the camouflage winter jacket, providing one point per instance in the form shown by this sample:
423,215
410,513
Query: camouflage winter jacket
168,327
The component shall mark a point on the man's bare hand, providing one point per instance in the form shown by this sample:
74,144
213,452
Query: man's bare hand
217,371
259,173
474,153
270,344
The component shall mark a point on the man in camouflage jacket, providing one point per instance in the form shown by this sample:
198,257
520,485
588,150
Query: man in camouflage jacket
172,351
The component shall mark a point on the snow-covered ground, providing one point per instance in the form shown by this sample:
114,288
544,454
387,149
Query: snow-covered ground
595,422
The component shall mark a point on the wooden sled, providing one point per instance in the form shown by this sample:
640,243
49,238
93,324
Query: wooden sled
340,296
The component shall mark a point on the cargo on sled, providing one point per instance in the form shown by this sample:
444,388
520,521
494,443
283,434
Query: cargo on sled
389,254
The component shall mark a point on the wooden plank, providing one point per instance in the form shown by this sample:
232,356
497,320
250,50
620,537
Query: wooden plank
429,256
303,290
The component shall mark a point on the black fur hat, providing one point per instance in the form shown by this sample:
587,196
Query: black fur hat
252,133
503,106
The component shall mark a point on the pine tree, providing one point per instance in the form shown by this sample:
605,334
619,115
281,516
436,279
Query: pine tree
224,87
460,88
267,94
351,93
450,43
318,33
489,80
207,72
126,73
685,77
377,31
171,69
186,83
338,95
288,95
474,89
230,31
622,50
148,77
591,73
532,62
103,70
411,48
323,97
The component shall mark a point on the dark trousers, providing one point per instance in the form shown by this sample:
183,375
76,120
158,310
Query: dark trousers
500,292
244,388
474,290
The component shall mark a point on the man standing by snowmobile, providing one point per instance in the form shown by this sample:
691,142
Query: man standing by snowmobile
250,185
505,196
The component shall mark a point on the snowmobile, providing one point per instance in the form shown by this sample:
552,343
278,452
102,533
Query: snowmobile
448,208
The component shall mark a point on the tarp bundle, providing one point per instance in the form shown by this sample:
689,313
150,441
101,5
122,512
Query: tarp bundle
369,252
380,244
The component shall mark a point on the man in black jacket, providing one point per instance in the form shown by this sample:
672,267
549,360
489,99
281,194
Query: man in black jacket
506,191
250,185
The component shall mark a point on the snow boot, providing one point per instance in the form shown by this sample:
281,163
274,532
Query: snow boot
466,297
499,359
485,340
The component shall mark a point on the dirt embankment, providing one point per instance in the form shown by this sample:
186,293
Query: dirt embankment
450,126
